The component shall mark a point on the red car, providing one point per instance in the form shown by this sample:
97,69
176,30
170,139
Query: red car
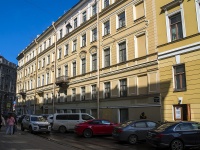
95,127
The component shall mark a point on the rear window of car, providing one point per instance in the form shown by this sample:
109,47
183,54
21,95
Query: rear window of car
140,125
37,119
68,117
151,124
126,123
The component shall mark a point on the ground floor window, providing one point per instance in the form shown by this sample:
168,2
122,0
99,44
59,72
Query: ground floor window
123,114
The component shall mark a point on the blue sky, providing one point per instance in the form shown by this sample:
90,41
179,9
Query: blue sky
22,20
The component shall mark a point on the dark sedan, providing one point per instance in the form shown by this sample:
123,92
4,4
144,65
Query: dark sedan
134,130
176,135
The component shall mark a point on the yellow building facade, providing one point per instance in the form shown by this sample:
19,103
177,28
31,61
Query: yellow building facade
178,32
100,57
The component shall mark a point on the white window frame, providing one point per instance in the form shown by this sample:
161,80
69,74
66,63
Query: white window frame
134,10
103,58
103,27
167,17
104,5
91,35
117,49
117,19
197,3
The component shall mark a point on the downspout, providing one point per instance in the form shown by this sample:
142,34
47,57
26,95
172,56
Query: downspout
54,82
36,74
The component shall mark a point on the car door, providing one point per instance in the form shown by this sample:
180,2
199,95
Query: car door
97,127
107,127
196,127
186,133
141,129
72,120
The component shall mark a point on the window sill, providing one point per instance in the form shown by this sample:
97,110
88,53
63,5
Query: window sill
73,51
180,90
122,27
93,41
106,35
83,46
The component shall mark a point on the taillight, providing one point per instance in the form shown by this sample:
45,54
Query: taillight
159,136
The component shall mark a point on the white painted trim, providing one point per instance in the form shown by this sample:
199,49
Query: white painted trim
179,51
197,4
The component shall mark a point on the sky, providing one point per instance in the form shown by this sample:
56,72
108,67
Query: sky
22,20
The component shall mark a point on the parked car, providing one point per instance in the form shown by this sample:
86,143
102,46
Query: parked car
176,135
134,130
45,115
95,127
66,121
50,119
35,123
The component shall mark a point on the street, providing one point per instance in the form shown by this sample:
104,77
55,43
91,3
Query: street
23,140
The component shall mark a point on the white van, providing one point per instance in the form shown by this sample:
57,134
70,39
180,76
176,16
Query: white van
66,121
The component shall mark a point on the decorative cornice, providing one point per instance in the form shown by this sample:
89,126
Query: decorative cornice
171,5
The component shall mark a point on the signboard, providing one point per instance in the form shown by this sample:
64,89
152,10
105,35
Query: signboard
178,113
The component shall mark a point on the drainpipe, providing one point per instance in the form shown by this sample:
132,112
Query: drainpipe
54,82
98,61
36,74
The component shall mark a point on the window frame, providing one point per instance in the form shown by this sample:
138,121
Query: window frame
94,35
75,23
84,39
83,93
74,45
107,57
106,28
123,51
107,91
83,65
94,92
182,78
84,16
74,68
123,88
123,19
197,3
94,61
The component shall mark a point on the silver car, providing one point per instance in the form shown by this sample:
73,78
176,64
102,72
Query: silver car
134,130
35,123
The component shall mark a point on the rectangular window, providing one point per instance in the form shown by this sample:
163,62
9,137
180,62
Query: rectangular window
106,3
123,88
94,92
94,62
42,80
122,52
48,59
82,93
38,81
94,9
49,41
84,16
66,49
107,89
107,27
179,77
121,19
107,57
74,45
94,34
59,72
66,70
43,62
74,68
75,23
83,40
83,65
39,64
47,78
59,53
45,45
73,94
61,33
176,27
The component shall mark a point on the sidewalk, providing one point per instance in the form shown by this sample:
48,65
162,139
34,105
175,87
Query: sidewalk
25,141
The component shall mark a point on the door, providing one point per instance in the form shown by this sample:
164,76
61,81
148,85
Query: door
72,120
141,129
182,112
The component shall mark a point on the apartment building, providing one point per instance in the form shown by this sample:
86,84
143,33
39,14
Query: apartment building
8,74
179,58
100,57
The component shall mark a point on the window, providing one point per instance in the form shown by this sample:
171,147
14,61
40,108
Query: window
59,53
48,59
61,33
141,45
107,57
106,3
84,16
42,80
66,49
49,41
121,20
75,23
94,34
66,70
83,40
38,81
43,62
94,62
73,94
122,52
107,27
139,10
45,45
74,45
198,13
107,89
179,77
83,65
123,88
59,72
39,64
176,29
94,9
82,93
47,77
74,68
40,49
94,92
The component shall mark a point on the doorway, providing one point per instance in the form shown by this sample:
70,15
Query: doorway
182,112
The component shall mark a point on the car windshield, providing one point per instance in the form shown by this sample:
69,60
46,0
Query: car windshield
40,119
126,123
164,126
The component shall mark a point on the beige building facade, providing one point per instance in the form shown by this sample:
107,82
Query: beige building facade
100,57
179,58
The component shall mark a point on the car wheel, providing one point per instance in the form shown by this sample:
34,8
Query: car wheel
22,128
62,129
87,133
132,139
30,129
177,145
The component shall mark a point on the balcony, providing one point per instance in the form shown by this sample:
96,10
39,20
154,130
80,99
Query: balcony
22,92
62,81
